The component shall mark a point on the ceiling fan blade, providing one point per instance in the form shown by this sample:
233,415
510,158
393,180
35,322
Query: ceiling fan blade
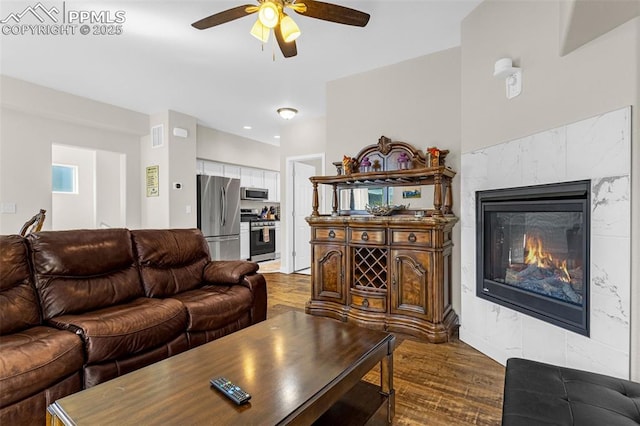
334,13
288,49
225,16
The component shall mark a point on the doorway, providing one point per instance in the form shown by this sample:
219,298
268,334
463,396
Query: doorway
298,207
96,196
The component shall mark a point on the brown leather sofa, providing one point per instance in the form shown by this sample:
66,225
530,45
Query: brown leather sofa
81,307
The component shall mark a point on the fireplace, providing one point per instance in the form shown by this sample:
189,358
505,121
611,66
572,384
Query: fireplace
533,251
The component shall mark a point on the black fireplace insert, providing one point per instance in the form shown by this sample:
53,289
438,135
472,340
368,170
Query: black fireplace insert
533,251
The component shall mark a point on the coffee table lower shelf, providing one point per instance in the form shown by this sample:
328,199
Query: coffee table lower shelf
362,405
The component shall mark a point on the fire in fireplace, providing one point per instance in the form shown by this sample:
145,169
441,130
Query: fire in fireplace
532,247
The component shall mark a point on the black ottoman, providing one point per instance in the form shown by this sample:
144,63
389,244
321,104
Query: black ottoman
544,394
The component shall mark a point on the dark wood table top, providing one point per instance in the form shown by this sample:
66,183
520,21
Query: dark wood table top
294,366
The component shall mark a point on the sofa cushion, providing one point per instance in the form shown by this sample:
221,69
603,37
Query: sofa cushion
126,329
212,307
542,394
35,359
171,260
83,270
95,374
18,305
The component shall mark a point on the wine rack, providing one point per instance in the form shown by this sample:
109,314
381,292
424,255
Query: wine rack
370,268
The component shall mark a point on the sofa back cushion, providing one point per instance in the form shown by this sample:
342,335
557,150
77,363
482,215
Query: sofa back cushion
83,270
171,260
18,305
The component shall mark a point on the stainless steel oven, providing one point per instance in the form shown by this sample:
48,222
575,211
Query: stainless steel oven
262,236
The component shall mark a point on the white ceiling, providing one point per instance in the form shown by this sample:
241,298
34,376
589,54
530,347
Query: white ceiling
221,75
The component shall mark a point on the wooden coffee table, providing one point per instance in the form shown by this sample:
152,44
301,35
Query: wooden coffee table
299,369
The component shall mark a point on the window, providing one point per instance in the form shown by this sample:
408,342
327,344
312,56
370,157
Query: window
64,179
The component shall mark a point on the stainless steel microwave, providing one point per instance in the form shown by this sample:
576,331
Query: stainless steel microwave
258,194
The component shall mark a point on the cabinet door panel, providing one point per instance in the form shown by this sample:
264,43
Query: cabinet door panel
411,283
329,266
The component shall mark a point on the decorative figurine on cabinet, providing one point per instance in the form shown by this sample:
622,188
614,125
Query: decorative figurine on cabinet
403,161
435,156
365,165
349,165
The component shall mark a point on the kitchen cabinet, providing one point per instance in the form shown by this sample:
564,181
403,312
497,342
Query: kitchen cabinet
232,171
249,177
244,241
255,177
212,168
272,183
387,272
252,178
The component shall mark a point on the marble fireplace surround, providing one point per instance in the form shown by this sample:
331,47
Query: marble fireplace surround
599,149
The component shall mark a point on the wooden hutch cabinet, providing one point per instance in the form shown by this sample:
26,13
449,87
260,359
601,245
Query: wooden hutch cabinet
390,272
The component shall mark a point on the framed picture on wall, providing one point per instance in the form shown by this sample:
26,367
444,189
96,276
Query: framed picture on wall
153,181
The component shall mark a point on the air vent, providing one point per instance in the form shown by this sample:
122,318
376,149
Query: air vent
157,136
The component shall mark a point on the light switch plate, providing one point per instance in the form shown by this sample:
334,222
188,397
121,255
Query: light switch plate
8,208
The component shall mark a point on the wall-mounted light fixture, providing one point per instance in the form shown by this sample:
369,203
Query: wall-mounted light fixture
513,76
287,113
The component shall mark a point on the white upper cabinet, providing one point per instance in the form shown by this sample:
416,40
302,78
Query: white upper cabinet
249,177
212,168
232,171
272,183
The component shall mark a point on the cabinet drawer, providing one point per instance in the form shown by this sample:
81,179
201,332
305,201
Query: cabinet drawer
329,234
367,236
369,302
419,238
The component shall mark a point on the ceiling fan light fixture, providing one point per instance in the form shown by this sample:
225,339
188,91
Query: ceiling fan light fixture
269,14
287,113
288,28
260,32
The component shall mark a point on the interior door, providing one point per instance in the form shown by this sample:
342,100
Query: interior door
302,199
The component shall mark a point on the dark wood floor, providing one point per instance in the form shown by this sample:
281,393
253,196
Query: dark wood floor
436,384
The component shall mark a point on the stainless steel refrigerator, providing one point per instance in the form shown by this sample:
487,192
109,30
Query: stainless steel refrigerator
219,215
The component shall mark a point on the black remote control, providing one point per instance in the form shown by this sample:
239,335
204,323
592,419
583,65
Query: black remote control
230,390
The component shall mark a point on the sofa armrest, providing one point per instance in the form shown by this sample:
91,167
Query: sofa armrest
258,286
228,271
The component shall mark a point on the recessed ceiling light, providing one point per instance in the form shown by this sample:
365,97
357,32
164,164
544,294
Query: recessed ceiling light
247,127
276,137
287,113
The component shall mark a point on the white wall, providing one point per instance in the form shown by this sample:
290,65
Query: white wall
155,208
600,76
32,118
416,101
303,140
77,210
182,158
111,187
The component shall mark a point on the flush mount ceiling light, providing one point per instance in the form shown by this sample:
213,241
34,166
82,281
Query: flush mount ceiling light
287,113
271,15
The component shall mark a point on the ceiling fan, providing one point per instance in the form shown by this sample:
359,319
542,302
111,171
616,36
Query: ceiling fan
271,15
